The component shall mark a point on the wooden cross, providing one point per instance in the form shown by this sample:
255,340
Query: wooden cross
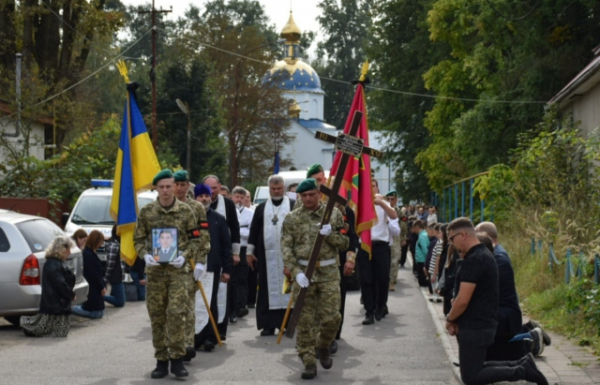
350,146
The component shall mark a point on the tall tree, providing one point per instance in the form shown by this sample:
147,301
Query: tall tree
502,51
254,113
402,52
345,27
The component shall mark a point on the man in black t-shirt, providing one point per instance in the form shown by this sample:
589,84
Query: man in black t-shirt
473,317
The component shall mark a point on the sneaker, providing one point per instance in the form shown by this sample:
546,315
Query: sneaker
532,325
538,342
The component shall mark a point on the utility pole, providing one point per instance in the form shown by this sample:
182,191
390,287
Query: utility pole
153,12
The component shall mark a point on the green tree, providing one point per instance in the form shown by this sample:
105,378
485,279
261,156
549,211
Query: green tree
345,26
401,53
496,59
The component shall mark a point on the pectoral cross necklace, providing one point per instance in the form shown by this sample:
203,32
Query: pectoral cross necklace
275,217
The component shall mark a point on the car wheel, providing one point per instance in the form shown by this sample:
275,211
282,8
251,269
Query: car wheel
14,319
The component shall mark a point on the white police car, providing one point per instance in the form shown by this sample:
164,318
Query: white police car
92,210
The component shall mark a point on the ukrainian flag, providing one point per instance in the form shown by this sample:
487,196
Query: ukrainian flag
136,166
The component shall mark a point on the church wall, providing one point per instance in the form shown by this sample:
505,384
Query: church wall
306,150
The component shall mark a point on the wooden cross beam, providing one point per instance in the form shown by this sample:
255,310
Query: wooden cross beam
350,146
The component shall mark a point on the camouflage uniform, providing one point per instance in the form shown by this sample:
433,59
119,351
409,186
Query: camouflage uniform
299,231
204,248
167,288
396,249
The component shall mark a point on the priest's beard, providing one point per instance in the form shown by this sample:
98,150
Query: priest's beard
206,205
239,206
277,199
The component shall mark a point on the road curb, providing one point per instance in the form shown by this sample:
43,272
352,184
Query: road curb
442,334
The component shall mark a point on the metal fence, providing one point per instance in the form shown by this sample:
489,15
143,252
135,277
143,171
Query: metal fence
575,267
460,200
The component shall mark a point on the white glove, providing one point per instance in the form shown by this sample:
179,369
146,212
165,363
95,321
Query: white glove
150,261
199,271
325,230
302,280
178,262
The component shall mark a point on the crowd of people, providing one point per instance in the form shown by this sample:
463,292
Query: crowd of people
245,257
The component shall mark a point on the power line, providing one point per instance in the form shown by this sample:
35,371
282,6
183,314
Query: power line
378,88
109,62
510,18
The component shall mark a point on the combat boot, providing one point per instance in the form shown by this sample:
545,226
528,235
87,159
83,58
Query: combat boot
162,369
309,372
325,358
190,353
178,369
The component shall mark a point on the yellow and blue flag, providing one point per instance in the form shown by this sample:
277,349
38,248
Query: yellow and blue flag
136,166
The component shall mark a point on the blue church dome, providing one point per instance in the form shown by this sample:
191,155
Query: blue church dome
294,75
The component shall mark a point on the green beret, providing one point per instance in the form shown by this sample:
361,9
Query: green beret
307,185
164,174
312,170
181,176
391,193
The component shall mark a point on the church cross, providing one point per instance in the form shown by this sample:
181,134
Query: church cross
350,146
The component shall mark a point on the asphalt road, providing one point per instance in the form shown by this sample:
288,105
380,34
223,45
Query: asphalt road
401,349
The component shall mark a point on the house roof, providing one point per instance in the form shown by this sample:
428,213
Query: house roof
581,83
6,109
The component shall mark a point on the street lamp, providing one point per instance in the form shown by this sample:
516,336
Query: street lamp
186,110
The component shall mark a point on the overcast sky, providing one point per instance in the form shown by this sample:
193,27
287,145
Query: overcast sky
305,11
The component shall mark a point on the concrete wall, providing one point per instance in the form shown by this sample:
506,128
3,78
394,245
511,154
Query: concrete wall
586,109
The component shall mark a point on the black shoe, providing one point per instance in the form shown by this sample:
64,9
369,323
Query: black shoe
309,372
190,353
532,374
385,311
242,313
368,319
28,333
251,306
178,369
209,345
379,314
232,319
161,370
223,337
325,358
532,325
334,347
267,332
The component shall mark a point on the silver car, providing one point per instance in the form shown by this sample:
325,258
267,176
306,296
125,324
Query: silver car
23,239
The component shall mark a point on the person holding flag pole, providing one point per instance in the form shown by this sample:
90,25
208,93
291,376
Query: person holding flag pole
137,168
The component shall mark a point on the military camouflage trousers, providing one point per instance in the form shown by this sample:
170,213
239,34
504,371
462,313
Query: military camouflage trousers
322,306
190,323
396,251
167,300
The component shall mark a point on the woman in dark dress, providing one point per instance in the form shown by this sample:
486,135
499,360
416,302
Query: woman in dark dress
92,272
57,293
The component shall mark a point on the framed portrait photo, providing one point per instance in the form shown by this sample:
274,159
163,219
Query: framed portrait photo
164,244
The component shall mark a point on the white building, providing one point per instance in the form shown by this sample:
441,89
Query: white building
15,138
302,86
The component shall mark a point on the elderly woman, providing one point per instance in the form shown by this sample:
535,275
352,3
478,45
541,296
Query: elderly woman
93,274
57,294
